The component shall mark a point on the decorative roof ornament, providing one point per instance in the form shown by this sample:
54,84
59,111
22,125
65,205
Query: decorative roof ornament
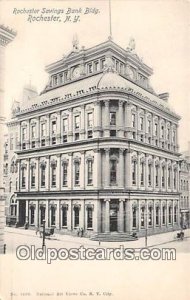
75,43
131,45
109,65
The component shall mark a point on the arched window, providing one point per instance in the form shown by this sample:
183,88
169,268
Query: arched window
77,173
134,217
32,213
143,216
157,215
142,173
134,172
150,216
42,214
52,215
76,216
89,217
175,214
64,216
163,215
170,214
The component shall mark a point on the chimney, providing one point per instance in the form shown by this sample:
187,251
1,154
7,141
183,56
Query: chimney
164,96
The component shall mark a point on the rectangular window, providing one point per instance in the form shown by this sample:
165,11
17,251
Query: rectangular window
163,177
77,122
162,131
43,176
43,130
53,176
150,210
33,131
141,123
65,172
33,144
157,175
76,136
89,120
133,120
23,177
64,216
149,126
163,215
77,173
90,134
168,134
157,215
76,217
54,127
134,169
90,68
142,217
113,171
43,142
149,174
53,140
169,177
65,125
96,66
64,138
170,215
142,173
90,171
112,118
156,129
89,217
32,177
24,134
134,217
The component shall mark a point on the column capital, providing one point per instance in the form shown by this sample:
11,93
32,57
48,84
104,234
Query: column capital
121,200
107,150
121,150
70,109
97,102
120,102
106,102
107,200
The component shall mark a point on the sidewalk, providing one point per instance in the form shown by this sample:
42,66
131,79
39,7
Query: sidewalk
153,240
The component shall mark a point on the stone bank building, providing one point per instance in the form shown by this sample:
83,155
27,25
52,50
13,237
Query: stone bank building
98,148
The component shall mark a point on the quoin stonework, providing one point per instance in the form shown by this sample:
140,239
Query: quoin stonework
96,150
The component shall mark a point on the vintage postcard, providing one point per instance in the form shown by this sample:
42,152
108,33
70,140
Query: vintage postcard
94,150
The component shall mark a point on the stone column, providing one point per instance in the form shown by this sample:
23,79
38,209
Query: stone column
17,212
138,170
37,214
153,172
27,211
82,214
97,119
107,119
82,170
107,215
70,121
57,220
70,169
97,174
121,168
121,215
128,178
128,220
58,133
82,116
48,129
107,167
70,216
121,121
146,171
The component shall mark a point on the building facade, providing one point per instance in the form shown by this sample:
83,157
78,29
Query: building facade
97,149
6,36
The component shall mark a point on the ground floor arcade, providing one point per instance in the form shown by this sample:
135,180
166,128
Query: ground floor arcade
102,214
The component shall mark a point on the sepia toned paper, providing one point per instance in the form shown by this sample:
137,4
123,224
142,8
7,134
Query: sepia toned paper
161,31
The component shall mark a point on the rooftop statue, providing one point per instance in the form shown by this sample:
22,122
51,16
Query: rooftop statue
109,65
75,43
131,45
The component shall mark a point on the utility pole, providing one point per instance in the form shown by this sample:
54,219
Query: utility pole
43,240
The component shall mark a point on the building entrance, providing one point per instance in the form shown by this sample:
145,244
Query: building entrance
22,213
113,217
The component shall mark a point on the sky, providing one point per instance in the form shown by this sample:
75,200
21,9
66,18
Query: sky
161,30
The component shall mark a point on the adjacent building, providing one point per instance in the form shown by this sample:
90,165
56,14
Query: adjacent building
6,36
98,148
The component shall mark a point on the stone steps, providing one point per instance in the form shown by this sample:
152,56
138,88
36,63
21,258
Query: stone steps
113,237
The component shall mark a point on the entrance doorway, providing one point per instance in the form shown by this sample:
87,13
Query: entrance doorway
22,212
113,217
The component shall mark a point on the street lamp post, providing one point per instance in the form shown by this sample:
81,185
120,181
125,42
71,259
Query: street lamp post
43,240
